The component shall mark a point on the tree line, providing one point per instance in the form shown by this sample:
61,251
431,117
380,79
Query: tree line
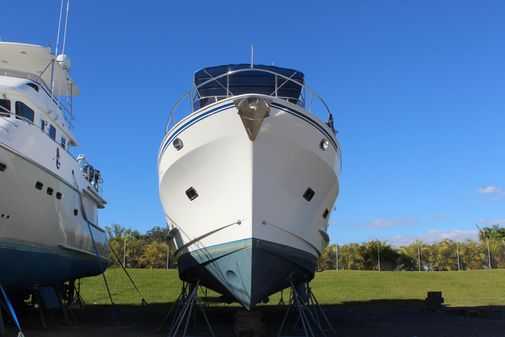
151,250
139,250
486,253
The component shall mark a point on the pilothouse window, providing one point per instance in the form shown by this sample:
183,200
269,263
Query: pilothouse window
5,107
24,112
52,132
34,86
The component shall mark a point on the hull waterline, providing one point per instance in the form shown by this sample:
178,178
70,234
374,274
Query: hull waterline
247,271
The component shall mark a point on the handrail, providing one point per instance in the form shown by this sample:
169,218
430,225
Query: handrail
217,98
29,121
189,94
68,115
95,179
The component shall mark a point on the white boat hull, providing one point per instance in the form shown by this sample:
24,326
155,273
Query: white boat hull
249,232
44,238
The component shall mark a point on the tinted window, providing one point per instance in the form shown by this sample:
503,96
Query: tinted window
5,107
24,112
63,142
43,125
34,86
52,132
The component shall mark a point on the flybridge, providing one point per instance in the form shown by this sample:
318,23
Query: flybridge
37,64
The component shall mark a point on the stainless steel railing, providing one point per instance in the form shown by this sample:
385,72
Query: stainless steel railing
213,99
66,109
307,95
7,115
91,174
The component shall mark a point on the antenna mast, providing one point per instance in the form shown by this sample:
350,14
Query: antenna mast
63,48
65,29
59,29
252,55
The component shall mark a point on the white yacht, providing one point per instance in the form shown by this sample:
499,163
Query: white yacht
248,177
49,230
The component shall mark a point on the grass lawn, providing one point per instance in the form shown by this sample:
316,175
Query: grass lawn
463,288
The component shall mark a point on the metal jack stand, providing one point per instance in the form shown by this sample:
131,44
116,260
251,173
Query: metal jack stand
187,305
310,314
10,310
2,325
77,302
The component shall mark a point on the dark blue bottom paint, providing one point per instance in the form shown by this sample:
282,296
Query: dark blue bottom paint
249,270
22,267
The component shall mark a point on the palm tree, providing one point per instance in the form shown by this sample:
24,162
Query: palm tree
351,258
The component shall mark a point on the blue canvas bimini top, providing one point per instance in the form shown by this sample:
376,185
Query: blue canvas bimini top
249,82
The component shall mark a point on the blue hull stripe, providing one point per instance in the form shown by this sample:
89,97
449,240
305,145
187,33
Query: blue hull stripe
308,120
191,122
226,106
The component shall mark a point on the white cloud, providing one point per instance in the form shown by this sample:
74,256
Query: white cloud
493,192
434,235
489,222
489,190
380,223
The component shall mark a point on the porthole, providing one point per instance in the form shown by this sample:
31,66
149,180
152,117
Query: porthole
325,214
191,193
76,212
324,144
309,194
49,191
58,195
2,167
178,144
39,185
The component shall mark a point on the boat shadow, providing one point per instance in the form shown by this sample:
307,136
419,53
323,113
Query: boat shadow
360,316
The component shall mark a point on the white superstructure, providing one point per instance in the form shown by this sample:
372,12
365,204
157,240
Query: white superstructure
248,180
48,198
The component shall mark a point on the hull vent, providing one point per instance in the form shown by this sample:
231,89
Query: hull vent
309,194
325,214
192,193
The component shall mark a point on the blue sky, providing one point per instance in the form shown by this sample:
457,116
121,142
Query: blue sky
417,89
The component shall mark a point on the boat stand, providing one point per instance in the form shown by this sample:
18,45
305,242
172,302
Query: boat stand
50,299
187,305
310,314
6,304
2,325
75,301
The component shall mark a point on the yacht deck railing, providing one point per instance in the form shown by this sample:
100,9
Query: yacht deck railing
68,114
91,174
307,95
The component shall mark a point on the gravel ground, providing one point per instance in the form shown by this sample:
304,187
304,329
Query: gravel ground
396,318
